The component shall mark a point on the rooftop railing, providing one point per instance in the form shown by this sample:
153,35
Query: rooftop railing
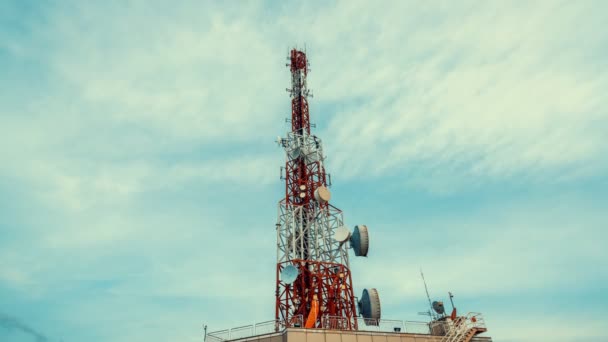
391,325
327,322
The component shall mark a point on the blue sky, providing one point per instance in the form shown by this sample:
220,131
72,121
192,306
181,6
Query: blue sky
139,179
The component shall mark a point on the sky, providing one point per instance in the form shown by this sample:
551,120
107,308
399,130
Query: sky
139,177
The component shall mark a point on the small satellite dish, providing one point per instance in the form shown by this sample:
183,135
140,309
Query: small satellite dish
289,274
359,240
369,306
322,194
438,307
341,234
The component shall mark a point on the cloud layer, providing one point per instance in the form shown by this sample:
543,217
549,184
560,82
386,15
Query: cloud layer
139,180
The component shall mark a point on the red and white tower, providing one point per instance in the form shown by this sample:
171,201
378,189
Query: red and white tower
314,286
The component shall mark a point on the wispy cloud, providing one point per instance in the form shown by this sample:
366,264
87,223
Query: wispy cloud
138,170
12,323
493,101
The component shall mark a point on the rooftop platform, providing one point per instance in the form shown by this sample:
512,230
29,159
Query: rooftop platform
463,329
326,335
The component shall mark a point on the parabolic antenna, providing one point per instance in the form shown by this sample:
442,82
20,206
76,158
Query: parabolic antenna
341,234
360,240
438,307
322,194
369,306
289,274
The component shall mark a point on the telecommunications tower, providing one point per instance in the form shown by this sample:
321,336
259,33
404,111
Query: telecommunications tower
314,287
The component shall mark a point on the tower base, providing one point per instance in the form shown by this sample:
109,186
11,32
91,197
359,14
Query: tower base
321,296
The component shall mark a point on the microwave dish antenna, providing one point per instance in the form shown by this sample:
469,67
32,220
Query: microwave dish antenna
359,240
322,194
289,274
369,306
341,234
438,307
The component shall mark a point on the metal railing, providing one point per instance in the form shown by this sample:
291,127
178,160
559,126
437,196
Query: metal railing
261,328
390,325
334,323
327,322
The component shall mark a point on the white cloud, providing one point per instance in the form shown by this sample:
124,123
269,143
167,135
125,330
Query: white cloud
118,183
471,95
209,81
452,96
143,103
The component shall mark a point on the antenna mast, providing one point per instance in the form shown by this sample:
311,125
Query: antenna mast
431,311
314,284
451,300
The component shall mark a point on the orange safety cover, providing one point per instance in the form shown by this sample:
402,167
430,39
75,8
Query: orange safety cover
312,316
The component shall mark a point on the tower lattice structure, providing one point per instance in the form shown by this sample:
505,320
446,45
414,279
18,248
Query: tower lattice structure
322,294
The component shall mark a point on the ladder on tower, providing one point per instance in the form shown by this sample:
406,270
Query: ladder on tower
464,328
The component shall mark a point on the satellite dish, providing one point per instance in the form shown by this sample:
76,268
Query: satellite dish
360,240
438,307
289,274
322,194
369,306
341,234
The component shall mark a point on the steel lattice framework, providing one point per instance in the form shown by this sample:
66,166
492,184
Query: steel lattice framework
323,290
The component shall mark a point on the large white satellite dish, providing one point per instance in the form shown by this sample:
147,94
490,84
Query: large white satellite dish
322,194
341,234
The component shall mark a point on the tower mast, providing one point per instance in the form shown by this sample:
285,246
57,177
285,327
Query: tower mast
320,292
